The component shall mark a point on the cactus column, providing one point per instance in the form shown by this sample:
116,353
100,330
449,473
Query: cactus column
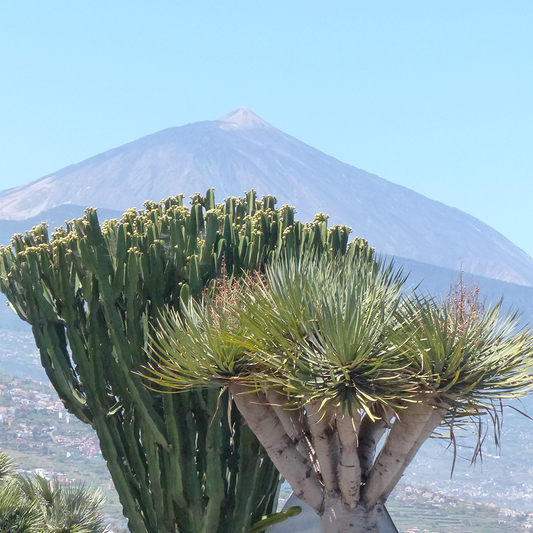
93,293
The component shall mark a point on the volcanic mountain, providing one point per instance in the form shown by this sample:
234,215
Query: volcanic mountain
241,151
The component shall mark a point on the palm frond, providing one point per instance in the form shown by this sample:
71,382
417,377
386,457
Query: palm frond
312,328
322,324
340,330
476,359
17,514
69,508
195,348
7,466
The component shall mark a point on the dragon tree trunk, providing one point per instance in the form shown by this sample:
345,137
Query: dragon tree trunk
337,474
341,518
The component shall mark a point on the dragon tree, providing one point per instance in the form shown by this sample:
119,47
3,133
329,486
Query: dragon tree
93,295
327,356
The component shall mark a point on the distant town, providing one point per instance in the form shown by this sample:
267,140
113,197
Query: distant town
17,402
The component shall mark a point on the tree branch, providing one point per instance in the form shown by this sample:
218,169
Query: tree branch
294,423
432,423
370,433
349,468
325,443
402,437
262,419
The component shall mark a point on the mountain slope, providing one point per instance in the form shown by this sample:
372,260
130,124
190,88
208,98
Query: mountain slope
241,151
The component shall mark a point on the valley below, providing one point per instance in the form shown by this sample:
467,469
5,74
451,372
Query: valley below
493,495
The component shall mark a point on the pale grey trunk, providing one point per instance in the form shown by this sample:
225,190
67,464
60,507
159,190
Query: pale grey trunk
349,469
370,433
268,429
327,455
309,522
390,463
294,422
325,441
341,518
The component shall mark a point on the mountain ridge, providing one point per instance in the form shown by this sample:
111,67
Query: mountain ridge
241,151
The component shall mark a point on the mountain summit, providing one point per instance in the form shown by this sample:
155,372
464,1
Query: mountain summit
244,119
242,151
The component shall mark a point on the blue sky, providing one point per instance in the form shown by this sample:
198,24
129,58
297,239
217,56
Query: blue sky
436,96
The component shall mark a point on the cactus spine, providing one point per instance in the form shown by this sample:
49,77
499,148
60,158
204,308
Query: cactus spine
91,294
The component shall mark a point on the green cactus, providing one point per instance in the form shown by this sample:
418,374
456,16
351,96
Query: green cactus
92,293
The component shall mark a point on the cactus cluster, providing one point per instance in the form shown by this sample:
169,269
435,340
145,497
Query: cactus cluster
92,293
